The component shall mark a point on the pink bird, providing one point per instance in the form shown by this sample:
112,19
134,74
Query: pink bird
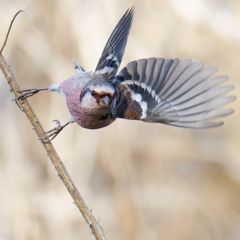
178,92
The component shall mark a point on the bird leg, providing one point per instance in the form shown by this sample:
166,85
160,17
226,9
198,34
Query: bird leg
28,93
52,133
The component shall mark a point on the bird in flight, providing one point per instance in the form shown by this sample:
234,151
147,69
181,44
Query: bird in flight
177,92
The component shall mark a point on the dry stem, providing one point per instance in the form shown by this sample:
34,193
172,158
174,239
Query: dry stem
51,152
9,29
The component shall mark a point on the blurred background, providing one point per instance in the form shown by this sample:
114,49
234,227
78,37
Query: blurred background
143,181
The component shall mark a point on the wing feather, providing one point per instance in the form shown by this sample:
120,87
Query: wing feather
178,92
112,54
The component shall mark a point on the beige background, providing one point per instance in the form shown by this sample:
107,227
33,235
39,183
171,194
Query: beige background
143,181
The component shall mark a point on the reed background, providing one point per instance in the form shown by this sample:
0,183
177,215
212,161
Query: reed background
143,181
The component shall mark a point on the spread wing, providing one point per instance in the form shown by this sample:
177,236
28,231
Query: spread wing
112,54
177,92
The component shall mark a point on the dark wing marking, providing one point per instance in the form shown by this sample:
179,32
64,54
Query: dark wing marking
126,106
177,92
112,54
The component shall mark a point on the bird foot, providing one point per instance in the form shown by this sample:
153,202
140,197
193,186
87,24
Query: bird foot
26,93
52,133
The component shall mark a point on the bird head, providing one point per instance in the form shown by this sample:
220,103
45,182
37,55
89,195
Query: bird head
98,93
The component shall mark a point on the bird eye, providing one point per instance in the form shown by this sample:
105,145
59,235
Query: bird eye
93,93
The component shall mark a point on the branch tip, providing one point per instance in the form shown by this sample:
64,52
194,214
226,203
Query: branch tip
9,29
23,10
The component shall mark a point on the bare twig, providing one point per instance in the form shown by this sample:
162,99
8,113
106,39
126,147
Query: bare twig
51,152
9,29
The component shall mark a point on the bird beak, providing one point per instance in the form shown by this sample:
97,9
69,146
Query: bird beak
105,102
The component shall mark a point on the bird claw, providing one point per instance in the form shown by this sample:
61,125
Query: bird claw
26,93
52,133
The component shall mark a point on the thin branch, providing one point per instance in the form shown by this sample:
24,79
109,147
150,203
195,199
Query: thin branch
9,29
23,104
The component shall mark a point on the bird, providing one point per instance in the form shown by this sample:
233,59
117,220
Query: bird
177,92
